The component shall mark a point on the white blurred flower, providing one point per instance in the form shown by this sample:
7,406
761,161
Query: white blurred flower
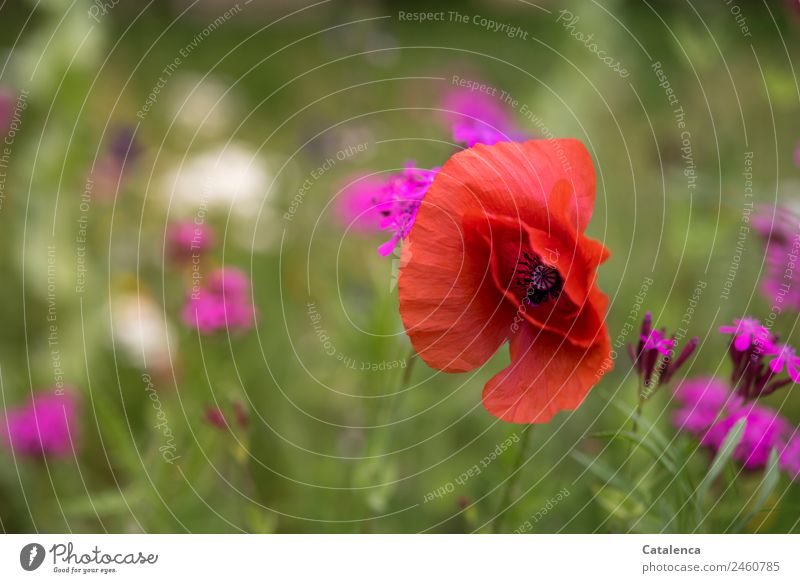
141,332
201,104
232,178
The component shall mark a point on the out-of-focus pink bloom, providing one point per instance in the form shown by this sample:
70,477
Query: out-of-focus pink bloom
223,304
478,118
764,431
123,146
747,332
363,204
241,414
6,110
474,132
790,457
214,416
187,239
230,281
45,426
114,164
709,411
702,399
779,227
784,356
404,193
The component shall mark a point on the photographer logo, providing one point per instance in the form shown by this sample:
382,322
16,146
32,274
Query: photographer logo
31,556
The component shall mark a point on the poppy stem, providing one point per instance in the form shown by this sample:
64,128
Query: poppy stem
505,499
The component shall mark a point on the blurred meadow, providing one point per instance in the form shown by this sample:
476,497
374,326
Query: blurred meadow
127,119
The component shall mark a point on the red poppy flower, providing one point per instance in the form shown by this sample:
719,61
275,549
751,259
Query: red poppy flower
498,253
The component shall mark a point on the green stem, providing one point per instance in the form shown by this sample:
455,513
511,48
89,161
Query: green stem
396,398
383,436
508,487
639,408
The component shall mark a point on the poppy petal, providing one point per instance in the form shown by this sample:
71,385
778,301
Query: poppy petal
451,312
547,374
516,179
576,315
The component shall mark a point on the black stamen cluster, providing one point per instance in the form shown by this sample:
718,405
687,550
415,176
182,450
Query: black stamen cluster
539,281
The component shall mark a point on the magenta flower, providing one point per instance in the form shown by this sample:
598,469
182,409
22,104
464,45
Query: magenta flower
187,239
363,204
230,281
652,357
784,356
214,416
709,411
404,193
751,376
702,400
6,110
657,341
45,426
778,227
764,431
241,414
478,118
747,333
474,132
223,304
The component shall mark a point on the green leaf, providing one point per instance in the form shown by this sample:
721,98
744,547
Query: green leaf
662,456
720,460
768,483
608,475
649,429
103,504
620,505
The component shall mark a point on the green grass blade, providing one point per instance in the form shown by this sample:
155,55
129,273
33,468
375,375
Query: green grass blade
608,475
659,455
723,456
768,483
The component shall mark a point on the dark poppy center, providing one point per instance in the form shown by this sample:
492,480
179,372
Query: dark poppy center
538,281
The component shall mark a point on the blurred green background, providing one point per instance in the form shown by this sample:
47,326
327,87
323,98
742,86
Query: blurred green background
328,448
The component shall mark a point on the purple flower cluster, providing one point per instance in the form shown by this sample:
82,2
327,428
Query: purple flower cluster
372,204
403,196
759,359
652,357
223,304
187,239
478,118
779,227
362,204
44,426
709,411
